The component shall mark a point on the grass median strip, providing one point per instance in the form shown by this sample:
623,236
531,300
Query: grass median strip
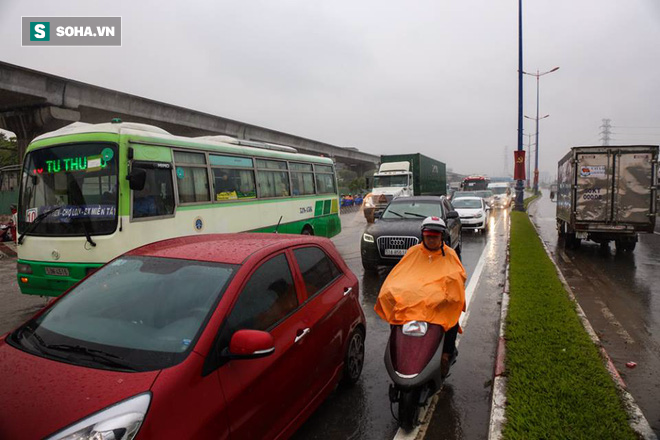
557,385
529,200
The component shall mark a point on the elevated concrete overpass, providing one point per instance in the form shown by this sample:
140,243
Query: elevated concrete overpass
33,103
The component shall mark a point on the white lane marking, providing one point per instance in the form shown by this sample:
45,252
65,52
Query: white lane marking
564,257
420,430
472,285
607,313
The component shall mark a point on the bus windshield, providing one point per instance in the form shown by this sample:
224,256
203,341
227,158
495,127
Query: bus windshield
69,190
391,181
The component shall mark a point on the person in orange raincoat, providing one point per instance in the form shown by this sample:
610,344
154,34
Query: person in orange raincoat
428,284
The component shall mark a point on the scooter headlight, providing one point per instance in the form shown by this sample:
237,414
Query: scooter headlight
415,328
118,422
369,202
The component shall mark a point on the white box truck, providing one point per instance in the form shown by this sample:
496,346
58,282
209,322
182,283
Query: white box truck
607,193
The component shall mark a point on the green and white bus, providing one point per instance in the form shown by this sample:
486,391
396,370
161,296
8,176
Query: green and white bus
90,192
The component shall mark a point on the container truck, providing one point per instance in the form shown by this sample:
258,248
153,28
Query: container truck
607,193
404,175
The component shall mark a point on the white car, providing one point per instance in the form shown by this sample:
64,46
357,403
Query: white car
502,194
473,211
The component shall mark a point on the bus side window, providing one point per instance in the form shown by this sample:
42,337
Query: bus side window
233,184
156,199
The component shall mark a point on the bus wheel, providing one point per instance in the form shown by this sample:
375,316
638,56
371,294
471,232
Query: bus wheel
307,230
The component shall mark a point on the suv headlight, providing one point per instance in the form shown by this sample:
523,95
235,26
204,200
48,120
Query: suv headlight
117,422
368,238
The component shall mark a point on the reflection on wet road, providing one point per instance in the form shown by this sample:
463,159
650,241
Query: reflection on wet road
363,412
620,294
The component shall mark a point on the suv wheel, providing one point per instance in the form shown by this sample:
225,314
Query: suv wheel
459,247
369,267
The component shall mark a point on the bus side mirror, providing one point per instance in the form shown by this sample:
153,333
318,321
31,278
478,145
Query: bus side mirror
137,178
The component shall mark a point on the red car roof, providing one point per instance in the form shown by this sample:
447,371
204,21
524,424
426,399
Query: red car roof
220,248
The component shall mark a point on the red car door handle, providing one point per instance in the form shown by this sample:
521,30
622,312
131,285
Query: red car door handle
301,335
347,290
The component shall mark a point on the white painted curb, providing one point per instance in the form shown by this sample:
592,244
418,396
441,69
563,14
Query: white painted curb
498,401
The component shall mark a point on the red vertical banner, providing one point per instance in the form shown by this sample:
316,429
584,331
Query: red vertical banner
519,166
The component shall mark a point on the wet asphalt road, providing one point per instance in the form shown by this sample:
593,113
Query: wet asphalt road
462,412
363,412
15,308
620,294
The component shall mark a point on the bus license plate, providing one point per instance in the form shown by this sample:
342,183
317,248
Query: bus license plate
57,271
397,252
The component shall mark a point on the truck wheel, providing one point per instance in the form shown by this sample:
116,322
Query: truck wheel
568,240
560,229
571,241
625,245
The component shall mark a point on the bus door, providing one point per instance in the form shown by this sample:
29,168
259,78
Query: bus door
156,199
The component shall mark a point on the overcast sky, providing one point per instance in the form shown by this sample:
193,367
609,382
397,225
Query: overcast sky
436,77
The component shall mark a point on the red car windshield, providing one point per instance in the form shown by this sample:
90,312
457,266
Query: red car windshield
144,312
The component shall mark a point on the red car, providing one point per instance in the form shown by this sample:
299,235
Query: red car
218,336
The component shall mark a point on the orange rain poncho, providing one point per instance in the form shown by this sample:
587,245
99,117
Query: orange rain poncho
424,286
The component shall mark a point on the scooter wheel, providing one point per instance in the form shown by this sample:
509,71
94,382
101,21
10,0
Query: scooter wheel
409,409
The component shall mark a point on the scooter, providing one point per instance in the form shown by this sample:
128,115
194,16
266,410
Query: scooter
412,358
8,231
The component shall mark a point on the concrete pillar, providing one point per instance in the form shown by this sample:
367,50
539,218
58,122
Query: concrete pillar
31,122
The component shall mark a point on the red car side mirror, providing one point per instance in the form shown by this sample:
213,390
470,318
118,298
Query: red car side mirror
250,344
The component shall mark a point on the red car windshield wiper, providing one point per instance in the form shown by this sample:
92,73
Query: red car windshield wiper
108,359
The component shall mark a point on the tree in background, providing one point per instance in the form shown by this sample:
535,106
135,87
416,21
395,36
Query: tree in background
344,176
357,185
8,151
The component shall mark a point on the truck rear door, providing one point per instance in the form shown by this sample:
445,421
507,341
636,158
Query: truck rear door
593,192
634,180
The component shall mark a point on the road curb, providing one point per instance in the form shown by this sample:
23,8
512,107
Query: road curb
636,418
498,401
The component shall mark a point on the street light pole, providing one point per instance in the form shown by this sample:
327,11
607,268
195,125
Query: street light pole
536,160
536,169
519,184
529,155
